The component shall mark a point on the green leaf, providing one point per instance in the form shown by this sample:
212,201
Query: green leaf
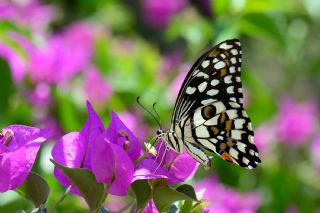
35,189
6,86
186,208
143,192
92,191
163,195
187,190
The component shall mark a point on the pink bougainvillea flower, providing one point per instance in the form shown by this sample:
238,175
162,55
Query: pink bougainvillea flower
264,136
178,167
172,166
73,149
31,13
296,122
112,165
96,88
109,153
223,199
19,146
118,133
66,54
158,13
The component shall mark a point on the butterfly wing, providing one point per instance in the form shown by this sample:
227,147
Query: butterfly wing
224,128
214,76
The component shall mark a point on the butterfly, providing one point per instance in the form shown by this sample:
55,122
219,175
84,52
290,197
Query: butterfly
209,115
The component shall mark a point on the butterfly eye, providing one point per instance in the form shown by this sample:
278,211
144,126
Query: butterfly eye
159,132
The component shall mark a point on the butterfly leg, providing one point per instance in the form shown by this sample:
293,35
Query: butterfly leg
198,153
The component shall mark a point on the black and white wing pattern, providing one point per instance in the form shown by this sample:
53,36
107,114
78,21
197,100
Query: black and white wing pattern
214,76
209,113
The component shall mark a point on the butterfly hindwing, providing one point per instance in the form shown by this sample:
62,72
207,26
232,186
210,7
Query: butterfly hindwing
215,76
223,127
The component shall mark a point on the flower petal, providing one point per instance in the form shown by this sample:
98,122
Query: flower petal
17,158
146,170
68,151
112,165
116,133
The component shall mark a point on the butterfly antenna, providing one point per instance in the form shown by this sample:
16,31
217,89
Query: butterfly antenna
154,109
143,107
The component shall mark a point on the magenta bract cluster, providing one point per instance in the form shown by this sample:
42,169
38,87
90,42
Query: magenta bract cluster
19,146
111,154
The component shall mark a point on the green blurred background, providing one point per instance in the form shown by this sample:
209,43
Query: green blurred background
57,54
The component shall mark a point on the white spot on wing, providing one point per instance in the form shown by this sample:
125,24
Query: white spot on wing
230,90
232,69
241,147
202,74
236,134
238,123
205,63
212,92
219,65
214,82
227,79
190,90
233,60
233,99
245,160
215,60
238,79
232,113
207,101
234,153
234,52
202,86
225,46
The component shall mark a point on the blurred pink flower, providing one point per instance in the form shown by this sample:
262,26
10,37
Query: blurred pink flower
135,123
41,95
65,55
158,13
223,200
314,151
29,13
96,87
264,135
296,122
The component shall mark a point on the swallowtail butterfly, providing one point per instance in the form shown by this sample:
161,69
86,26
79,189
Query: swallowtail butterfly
209,114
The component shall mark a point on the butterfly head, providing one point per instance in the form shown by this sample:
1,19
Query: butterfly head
159,132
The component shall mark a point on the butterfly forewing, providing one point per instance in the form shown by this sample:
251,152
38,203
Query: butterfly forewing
215,76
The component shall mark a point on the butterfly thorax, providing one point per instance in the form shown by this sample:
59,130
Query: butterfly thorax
172,140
